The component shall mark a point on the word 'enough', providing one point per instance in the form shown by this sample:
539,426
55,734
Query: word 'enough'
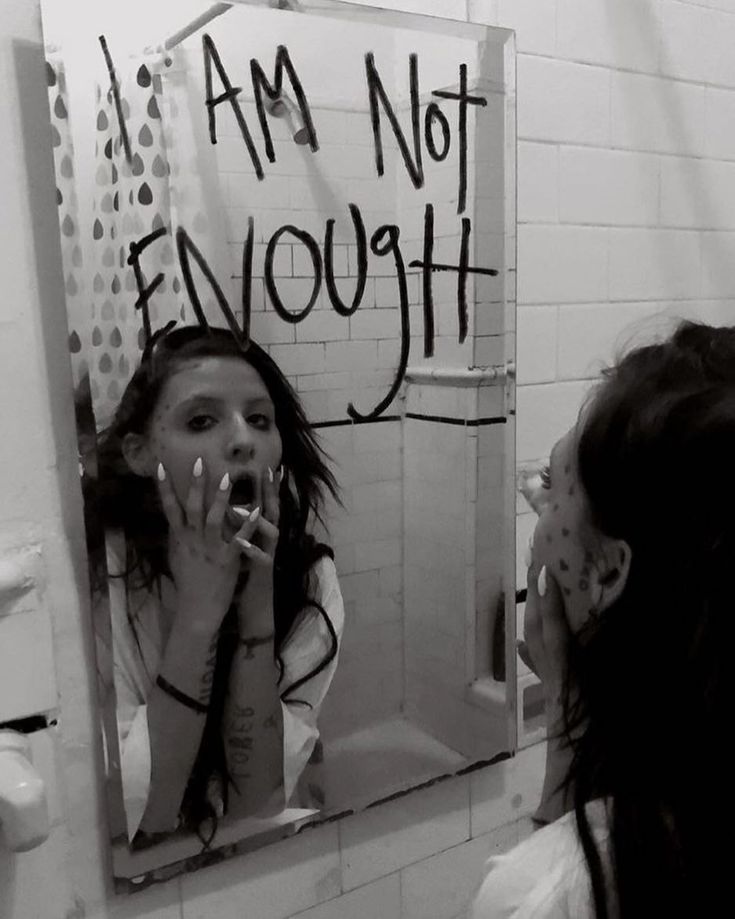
383,242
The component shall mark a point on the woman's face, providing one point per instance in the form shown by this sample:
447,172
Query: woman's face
564,540
217,409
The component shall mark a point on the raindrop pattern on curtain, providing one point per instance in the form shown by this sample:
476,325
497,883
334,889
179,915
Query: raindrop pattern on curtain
131,200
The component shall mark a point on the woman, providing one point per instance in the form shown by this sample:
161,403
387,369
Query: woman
226,612
628,627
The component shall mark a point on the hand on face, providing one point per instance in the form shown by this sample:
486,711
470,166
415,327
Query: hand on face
204,562
203,565
546,636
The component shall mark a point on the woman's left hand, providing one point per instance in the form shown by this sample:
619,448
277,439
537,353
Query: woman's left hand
258,539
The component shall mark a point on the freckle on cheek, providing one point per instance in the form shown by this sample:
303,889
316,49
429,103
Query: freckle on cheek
566,469
556,507
563,565
564,531
571,489
549,538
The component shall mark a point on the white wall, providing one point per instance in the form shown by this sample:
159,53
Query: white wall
626,118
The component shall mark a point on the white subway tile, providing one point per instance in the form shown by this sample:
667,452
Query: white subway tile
383,839
538,182
484,12
624,34
654,264
322,325
718,264
608,187
351,355
560,263
374,323
697,194
687,36
591,335
558,101
299,358
254,884
651,113
544,414
379,900
534,24
267,328
536,354
443,886
719,123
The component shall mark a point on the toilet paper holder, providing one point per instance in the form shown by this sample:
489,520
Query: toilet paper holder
24,815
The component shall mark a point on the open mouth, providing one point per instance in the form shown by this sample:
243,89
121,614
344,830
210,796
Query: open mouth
244,493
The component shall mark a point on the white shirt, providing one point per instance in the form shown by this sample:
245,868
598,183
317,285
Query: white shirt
546,876
136,664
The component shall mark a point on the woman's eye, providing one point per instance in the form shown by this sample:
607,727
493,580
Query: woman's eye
258,420
545,477
200,423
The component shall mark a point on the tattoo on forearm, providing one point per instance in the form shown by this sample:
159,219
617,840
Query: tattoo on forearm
205,689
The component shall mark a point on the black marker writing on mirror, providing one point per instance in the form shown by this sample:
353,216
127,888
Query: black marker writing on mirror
384,241
261,85
413,161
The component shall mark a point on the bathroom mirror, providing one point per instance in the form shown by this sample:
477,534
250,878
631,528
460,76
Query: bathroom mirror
327,189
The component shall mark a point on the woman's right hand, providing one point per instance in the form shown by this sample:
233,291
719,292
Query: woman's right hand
203,565
546,635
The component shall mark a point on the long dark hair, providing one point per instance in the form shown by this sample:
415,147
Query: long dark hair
130,503
656,455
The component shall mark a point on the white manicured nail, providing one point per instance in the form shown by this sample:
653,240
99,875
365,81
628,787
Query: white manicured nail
255,514
161,473
243,542
225,483
242,511
542,582
270,475
198,468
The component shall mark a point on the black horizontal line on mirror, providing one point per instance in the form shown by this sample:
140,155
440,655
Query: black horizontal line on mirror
341,422
468,422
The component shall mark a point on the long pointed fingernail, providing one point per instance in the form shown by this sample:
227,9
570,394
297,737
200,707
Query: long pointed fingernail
281,473
542,582
255,514
198,468
242,511
243,542
225,483
161,473
270,475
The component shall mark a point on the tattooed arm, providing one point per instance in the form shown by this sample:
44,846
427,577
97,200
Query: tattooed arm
175,730
253,732
252,727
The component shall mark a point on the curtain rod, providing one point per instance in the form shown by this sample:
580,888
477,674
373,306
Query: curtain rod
196,24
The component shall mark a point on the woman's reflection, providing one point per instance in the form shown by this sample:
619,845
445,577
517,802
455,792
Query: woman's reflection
227,615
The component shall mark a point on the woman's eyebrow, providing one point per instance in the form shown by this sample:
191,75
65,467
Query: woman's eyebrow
200,399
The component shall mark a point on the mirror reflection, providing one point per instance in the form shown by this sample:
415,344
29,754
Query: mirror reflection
290,303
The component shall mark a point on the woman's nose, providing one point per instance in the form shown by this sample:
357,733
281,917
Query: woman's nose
240,441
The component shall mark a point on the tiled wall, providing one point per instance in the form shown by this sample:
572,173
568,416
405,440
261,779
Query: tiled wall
626,150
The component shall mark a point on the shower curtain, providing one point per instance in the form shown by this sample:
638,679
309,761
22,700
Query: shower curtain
168,181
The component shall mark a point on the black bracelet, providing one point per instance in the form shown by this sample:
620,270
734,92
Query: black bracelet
180,696
255,642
